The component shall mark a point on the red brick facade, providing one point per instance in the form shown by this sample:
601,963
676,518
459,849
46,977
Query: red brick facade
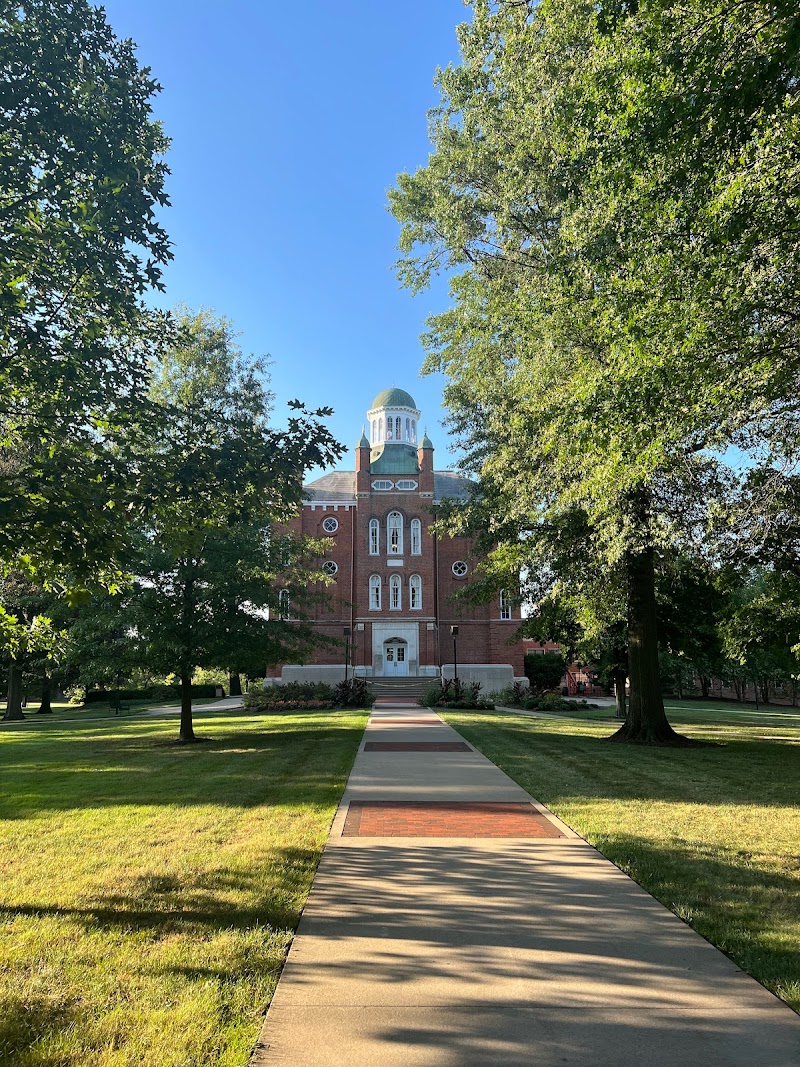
413,491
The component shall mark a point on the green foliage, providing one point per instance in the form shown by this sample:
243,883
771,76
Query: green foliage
292,696
151,692
212,556
353,693
607,192
454,693
544,671
81,181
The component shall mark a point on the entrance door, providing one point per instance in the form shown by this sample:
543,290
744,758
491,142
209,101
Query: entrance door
395,659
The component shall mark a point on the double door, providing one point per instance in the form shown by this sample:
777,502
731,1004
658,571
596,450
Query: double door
394,659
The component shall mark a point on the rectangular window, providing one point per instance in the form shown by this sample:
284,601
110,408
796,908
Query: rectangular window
505,607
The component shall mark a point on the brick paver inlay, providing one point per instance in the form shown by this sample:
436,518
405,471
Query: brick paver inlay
379,720
417,746
409,818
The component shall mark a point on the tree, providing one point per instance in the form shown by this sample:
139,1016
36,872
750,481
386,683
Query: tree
544,671
601,190
81,181
222,481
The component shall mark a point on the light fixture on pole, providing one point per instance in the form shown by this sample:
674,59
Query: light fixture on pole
454,632
347,632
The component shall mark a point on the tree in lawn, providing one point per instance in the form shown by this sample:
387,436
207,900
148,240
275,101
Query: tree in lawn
81,181
606,182
30,640
222,481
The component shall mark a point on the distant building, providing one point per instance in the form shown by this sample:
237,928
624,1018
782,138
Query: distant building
394,581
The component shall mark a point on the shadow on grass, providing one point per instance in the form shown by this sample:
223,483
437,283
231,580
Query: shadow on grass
23,1023
741,771
285,763
161,905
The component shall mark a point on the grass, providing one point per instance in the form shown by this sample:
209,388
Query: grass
711,832
692,712
65,710
148,891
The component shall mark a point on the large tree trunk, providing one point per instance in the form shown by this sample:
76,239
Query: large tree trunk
14,702
704,686
234,685
45,708
646,722
187,730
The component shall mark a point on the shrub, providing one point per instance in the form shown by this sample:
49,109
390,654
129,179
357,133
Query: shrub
513,696
354,693
154,692
453,693
297,694
544,671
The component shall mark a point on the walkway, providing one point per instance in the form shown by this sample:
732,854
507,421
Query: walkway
495,936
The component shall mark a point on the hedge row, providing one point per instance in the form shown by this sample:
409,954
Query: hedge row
150,692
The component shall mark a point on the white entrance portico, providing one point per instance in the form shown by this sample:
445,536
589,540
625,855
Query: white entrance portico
395,648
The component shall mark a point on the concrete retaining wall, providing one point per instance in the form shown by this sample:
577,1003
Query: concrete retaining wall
492,676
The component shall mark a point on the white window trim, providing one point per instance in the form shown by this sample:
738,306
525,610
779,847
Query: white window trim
329,519
395,587
375,585
415,579
505,607
392,550
330,568
459,563
374,528
416,537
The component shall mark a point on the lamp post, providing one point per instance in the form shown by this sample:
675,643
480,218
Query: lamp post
347,632
454,632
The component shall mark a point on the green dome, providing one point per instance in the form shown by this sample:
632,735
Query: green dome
394,398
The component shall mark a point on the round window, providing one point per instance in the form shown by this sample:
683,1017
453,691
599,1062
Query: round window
460,568
330,525
330,568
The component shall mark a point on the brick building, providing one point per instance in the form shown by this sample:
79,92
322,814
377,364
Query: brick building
394,581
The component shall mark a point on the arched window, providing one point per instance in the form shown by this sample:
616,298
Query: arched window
398,429
415,592
374,430
283,604
395,592
505,606
380,429
375,592
389,429
416,537
374,537
408,429
394,533
414,430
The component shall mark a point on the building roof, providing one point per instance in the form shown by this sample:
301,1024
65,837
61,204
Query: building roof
340,487
393,457
393,398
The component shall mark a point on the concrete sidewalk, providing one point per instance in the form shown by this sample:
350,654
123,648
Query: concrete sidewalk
474,950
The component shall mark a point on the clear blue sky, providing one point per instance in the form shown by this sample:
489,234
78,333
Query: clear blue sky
289,122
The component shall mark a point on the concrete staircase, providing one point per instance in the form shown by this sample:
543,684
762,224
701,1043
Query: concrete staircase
403,689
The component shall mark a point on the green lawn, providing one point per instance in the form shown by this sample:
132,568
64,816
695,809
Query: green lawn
711,832
65,711
707,712
148,891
